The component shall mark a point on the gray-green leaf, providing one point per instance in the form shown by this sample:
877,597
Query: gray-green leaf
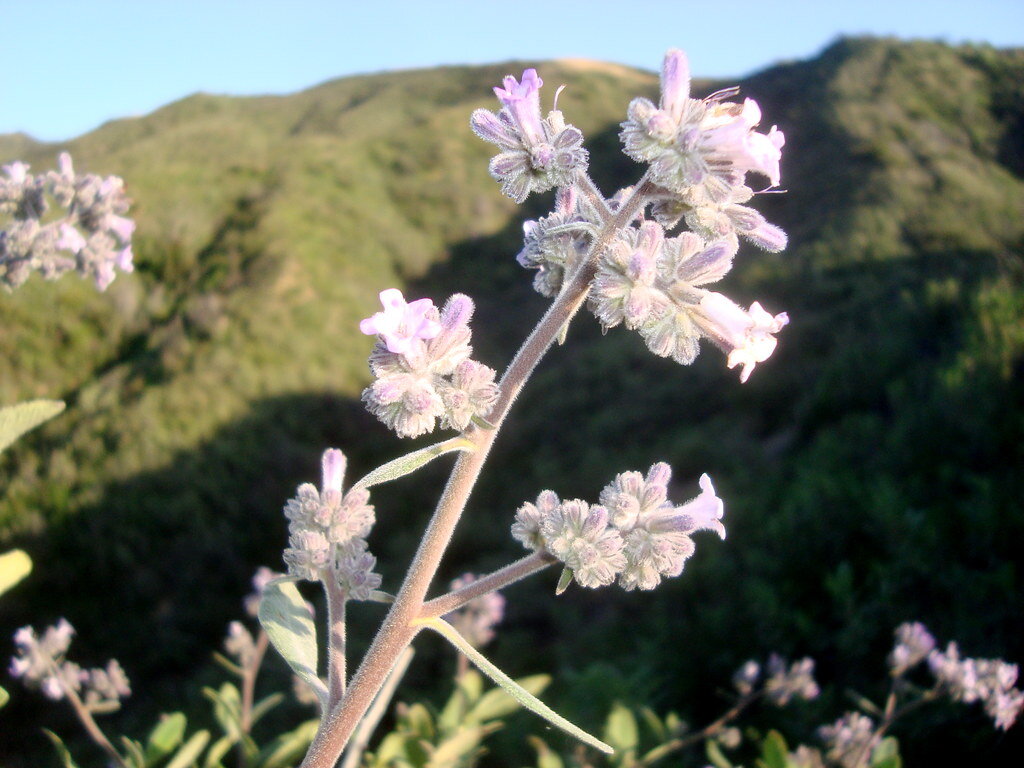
285,617
409,463
524,697
16,420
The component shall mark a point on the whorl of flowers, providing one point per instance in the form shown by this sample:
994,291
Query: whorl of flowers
849,739
89,235
989,681
476,620
785,683
41,664
654,285
699,152
536,154
327,532
635,535
422,367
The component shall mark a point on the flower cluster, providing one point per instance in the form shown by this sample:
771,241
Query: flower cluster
537,154
634,535
700,152
41,664
913,644
990,681
90,236
327,532
782,683
850,739
653,285
476,620
422,366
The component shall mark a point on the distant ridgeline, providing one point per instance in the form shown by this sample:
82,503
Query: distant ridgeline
873,467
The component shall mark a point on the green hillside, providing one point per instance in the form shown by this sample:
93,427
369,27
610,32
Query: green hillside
871,469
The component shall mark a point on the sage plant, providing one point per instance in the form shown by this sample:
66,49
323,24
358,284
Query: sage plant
643,257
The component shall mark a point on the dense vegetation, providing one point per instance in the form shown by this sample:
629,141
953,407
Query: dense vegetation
871,469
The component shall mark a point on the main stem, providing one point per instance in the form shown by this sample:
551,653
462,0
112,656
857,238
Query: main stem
397,631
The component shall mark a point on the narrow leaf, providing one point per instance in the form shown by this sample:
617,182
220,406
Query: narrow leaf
4,697
16,420
134,754
288,748
14,566
546,757
520,694
62,751
498,703
715,756
285,617
265,705
404,465
564,581
217,750
190,752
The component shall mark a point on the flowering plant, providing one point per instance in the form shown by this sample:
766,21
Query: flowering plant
642,257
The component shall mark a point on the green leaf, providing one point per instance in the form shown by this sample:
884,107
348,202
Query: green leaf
653,723
546,757
16,420
190,751
265,705
288,748
499,703
4,697
456,749
285,617
715,756
165,737
227,708
887,754
524,697
620,729
62,751
419,722
775,751
14,566
217,750
468,688
564,581
409,463
135,755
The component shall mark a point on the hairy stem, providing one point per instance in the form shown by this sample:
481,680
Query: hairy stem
361,737
398,629
336,599
675,745
499,579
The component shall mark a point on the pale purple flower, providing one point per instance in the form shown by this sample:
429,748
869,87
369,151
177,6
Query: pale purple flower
786,683
746,336
913,644
578,534
746,677
523,101
400,325
850,739
70,239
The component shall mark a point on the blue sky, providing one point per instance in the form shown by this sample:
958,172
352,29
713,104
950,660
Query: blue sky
66,67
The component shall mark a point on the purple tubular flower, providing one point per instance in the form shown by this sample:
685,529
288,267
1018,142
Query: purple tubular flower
523,101
401,324
675,83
